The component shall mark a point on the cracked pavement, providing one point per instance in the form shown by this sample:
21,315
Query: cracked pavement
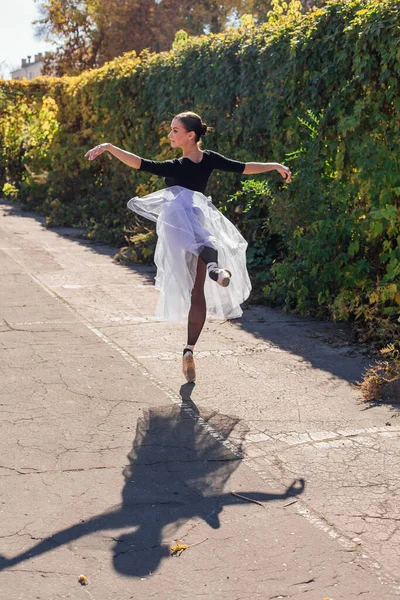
103,466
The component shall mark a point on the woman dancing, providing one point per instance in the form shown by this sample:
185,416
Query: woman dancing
189,228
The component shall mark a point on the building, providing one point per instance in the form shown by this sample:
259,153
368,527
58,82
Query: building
29,70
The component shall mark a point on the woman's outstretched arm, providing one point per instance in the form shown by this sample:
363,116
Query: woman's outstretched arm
253,168
132,160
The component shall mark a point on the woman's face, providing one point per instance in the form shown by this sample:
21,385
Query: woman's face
180,136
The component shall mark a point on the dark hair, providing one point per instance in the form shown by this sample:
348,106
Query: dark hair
193,122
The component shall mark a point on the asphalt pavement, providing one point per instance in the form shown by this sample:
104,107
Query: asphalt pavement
280,481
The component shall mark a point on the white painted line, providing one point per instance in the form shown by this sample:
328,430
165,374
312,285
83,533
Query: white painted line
42,323
107,322
320,524
327,437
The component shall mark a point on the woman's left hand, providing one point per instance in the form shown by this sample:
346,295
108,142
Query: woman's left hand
96,151
285,172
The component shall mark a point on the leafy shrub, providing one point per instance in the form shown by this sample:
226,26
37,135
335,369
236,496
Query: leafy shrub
381,381
322,88
249,209
10,191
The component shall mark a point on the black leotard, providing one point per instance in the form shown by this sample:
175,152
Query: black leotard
191,175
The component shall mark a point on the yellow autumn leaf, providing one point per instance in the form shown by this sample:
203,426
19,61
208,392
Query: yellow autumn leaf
178,548
392,288
373,297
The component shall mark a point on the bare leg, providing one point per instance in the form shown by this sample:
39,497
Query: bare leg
196,319
197,312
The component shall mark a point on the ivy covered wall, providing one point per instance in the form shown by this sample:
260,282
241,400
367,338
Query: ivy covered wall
320,92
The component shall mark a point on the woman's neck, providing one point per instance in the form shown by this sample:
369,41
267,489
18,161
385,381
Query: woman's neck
193,152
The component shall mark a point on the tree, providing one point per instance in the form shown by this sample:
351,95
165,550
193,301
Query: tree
88,33
71,26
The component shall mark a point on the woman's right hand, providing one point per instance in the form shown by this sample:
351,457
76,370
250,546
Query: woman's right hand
96,151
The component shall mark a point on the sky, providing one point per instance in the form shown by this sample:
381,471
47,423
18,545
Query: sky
17,39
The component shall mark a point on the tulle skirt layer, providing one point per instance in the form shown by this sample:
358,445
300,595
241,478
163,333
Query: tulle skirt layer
187,221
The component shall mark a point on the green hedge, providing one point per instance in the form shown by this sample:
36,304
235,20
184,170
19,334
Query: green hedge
322,92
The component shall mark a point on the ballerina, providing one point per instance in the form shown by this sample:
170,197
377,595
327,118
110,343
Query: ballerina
189,227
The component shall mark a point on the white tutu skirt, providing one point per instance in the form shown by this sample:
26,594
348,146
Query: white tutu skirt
187,221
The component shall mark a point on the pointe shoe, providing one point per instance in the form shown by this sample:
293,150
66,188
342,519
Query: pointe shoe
221,276
188,367
224,277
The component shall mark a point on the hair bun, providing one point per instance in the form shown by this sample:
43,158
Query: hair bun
204,129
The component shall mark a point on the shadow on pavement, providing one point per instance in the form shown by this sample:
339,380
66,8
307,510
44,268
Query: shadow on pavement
177,471
185,393
324,345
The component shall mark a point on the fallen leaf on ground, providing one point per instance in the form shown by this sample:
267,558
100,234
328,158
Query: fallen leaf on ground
178,548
